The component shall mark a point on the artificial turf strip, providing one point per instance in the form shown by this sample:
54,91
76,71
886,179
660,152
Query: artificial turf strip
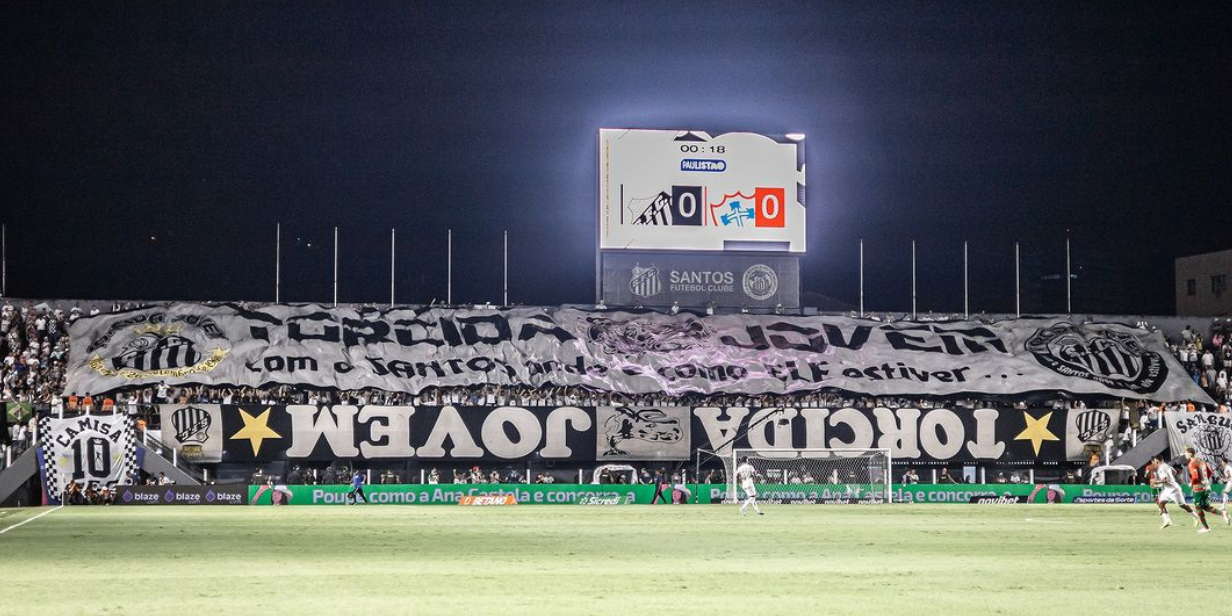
897,559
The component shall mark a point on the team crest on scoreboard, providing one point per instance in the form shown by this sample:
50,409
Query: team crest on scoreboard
1114,359
645,281
158,345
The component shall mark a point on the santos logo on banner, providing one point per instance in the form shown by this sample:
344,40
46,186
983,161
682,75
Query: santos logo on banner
1210,434
194,431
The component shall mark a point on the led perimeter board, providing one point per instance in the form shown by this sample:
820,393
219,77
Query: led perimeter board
691,190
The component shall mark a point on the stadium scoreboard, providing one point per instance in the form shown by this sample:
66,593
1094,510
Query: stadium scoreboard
666,190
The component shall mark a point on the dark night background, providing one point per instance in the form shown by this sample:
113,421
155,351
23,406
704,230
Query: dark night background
148,148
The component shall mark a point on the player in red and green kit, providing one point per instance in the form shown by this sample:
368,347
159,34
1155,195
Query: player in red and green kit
1200,482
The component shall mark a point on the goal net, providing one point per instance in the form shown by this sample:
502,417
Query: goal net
812,476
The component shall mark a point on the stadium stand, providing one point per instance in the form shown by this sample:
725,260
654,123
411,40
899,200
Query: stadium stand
34,343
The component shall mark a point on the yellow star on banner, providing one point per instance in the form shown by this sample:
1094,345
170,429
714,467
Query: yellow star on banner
1037,431
255,430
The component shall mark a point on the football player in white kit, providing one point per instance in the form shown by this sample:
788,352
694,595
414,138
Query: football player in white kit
745,474
1163,479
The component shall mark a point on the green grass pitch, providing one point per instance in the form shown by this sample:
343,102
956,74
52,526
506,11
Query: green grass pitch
898,559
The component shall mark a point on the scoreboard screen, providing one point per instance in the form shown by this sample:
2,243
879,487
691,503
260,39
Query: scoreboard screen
691,190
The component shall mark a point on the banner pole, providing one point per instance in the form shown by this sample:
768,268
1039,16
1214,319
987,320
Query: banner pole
1017,281
393,244
335,267
449,268
913,311
966,286
278,264
861,278
506,282
1069,307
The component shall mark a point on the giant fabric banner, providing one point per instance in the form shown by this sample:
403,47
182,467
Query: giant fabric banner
409,350
90,449
248,433
1210,434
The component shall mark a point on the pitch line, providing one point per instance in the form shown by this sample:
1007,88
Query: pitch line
29,520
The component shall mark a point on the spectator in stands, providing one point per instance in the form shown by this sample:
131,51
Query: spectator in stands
295,477
945,477
910,477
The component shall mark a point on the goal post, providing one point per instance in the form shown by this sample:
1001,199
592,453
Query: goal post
813,476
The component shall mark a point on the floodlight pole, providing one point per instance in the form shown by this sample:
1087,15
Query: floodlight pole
506,282
861,278
278,264
449,268
4,260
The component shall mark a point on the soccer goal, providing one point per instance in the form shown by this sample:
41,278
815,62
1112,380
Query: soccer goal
813,476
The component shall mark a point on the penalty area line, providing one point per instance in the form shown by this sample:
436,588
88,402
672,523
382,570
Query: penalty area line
29,520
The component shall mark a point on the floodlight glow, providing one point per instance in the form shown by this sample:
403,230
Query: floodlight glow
795,136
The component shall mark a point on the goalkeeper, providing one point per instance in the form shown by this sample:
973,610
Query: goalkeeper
745,474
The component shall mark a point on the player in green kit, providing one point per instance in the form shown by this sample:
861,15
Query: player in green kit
1200,482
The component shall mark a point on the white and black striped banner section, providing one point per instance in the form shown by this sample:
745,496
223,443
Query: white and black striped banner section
410,350
1089,428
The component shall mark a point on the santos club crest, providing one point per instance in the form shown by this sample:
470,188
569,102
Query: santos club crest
1114,359
645,281
158,345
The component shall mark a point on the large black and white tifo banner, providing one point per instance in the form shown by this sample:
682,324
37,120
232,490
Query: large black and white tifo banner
90,449
409,350
1210,434
448,434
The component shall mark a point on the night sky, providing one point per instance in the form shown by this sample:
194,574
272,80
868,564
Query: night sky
149,148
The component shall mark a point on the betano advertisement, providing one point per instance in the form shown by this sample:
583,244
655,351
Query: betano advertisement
574,494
